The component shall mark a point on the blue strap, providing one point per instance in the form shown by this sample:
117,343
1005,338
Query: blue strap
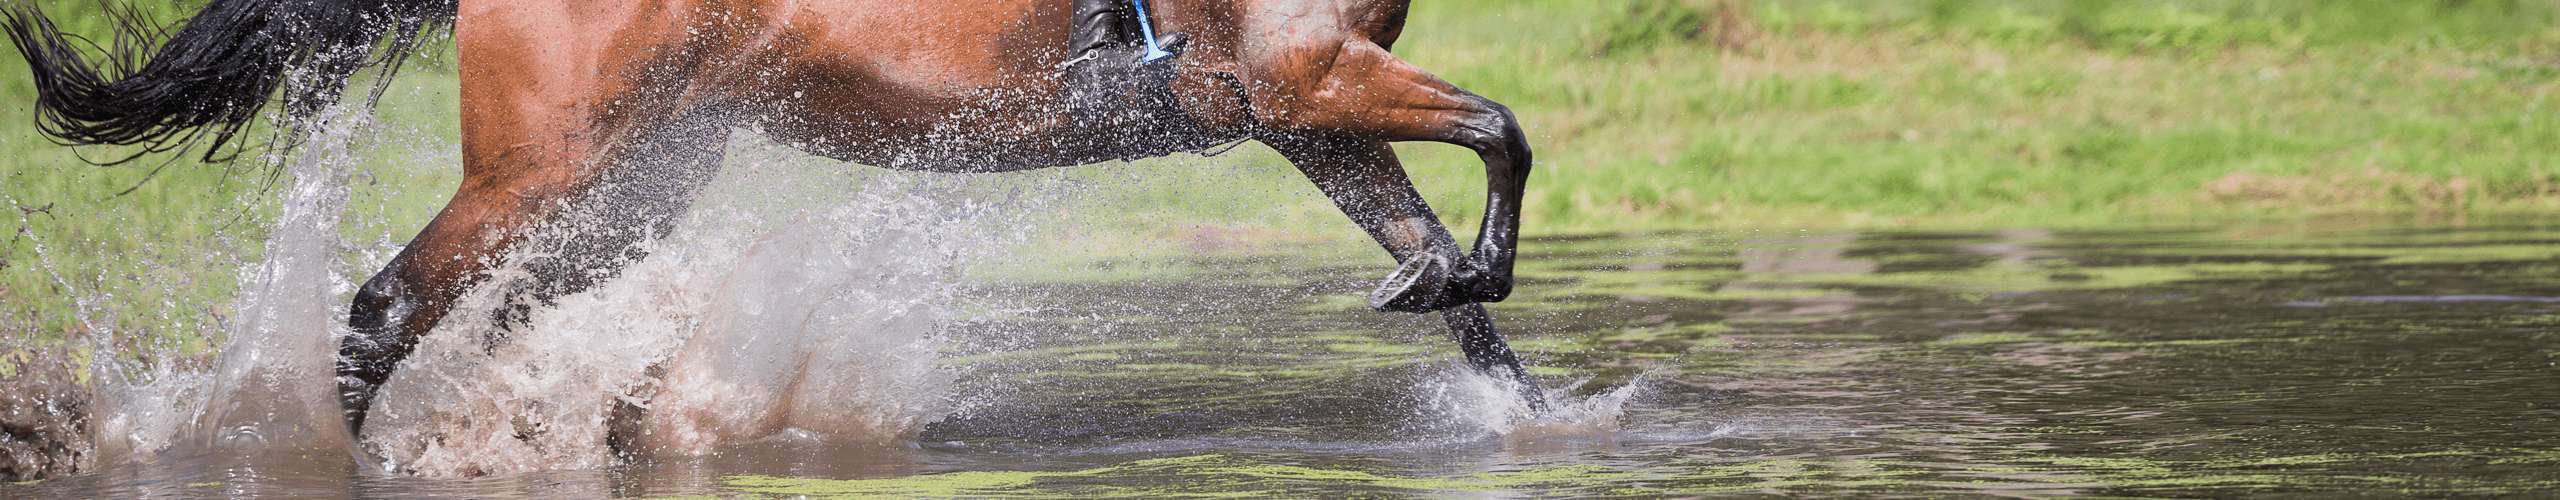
1147,28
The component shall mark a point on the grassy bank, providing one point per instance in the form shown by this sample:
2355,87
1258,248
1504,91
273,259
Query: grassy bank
158,244
1651,114
1687,113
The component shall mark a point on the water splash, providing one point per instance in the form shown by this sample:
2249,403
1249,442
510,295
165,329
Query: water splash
814,318
270,391
1466,404
783,306
273,388
823,333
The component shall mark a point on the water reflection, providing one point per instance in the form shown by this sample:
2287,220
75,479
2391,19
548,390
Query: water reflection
1782,264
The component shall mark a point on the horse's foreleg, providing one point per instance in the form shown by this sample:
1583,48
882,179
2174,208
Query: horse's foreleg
1366,181
1360,91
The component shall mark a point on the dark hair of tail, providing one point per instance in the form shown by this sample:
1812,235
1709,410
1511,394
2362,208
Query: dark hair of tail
210,80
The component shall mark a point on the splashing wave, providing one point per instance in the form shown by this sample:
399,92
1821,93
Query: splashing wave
824,327
1465,404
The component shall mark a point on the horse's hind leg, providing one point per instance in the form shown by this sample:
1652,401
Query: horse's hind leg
408,297
547,140
590,220
582,128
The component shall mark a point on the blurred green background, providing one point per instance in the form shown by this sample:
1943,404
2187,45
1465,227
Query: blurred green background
1647,115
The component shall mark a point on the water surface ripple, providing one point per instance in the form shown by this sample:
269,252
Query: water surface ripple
2022,362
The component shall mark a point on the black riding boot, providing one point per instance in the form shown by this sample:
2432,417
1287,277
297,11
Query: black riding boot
1107,85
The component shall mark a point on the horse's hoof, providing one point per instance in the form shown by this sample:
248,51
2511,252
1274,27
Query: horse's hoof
1419,285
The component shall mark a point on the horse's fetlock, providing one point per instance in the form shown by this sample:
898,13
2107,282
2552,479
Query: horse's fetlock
1491,289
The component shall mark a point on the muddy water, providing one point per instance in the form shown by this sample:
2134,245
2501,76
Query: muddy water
2282,359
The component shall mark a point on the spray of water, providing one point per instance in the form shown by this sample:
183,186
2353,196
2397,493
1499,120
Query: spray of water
264,395
268,392
1466,404
825,333
797,298
816,319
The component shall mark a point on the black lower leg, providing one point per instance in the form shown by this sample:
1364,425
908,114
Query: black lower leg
375,344
1485,350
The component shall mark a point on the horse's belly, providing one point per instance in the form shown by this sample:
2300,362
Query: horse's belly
980,129
940,86
961,140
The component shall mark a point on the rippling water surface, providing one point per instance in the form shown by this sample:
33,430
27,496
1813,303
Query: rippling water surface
2023,362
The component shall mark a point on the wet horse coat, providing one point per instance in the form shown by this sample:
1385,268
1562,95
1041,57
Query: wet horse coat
624,107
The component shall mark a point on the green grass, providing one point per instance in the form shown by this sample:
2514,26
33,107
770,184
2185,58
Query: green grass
2008,113
1949,113
1645,115
166,257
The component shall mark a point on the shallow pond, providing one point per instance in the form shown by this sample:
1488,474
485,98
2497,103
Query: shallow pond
2021,362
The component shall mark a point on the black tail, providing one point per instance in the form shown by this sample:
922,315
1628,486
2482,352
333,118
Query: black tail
210,80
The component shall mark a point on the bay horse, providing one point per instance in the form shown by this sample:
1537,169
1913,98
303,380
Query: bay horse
626,105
